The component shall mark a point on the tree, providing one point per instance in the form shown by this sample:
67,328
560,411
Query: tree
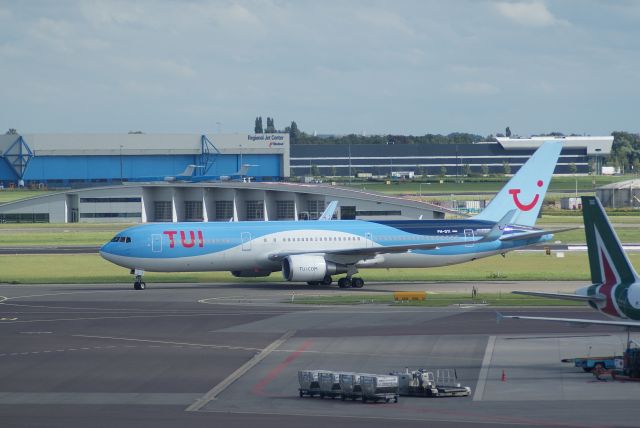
466,170
443,171
334,171
506,168
573,168
507,132
258,128
12,131
485,169
315,171
294,133
271,128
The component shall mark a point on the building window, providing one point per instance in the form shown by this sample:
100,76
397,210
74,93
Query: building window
109,200
315,209
378,213
25,218
110,215
285,210
193,210
348,213
255,210
224,210
162,211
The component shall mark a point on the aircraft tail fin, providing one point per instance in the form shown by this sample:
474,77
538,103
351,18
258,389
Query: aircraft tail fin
244,169
607,259
526,189
188,172
329,211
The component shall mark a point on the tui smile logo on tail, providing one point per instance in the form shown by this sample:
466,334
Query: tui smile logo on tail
520,205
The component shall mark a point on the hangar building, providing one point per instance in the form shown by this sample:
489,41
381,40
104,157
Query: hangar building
219,201
80,160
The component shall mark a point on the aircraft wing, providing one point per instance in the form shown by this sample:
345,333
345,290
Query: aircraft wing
575,321
536,234
562,296
369,252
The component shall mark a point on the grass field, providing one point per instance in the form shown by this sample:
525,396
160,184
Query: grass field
91,268
435,300
14,195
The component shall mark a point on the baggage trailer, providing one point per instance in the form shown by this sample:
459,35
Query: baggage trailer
422,383
308,380
350,386
379,387
329,384
589,364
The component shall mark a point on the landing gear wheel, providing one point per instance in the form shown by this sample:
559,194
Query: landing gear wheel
357,282
327,280
344,282
139,285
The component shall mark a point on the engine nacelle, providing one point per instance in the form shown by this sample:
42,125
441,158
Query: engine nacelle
309,268
250,273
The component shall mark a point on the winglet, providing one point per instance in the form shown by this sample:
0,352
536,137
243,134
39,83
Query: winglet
329,211
498,228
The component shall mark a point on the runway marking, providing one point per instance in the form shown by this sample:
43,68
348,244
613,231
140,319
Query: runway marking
258,388
216,390
48,351
3,298
166,342
142,316
8,318
36,332
484,370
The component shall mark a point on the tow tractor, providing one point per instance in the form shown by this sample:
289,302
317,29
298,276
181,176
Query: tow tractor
423,383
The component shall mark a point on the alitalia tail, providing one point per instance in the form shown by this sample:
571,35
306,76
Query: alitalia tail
615,286
315,251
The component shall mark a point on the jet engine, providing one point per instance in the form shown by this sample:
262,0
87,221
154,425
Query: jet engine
309,268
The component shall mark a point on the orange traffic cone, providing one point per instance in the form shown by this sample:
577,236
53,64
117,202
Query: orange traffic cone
504,376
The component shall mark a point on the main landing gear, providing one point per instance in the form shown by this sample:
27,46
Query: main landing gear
347,282
138,283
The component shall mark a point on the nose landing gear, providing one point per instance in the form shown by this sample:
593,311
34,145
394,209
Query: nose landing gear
138,283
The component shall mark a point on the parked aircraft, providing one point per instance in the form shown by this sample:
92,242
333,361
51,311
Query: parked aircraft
615,285
314,251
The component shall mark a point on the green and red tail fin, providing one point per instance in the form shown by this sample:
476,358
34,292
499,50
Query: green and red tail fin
607,260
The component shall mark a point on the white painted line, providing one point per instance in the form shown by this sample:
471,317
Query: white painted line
216,390
165,342
484,370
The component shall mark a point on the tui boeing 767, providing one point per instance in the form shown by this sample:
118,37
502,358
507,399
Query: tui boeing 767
315,251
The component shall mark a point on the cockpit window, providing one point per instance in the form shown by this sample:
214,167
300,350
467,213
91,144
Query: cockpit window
128,241
125,239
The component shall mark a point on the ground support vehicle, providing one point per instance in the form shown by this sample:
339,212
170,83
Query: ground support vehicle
329,383
423,383
379,387
308,380
596,363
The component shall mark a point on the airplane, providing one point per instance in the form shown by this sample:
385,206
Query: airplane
615,285
187,175
314,251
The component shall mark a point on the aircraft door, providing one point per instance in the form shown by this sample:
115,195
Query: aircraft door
156,243
245,237
468,237
368,239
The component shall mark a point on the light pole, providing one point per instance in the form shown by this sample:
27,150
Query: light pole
121,164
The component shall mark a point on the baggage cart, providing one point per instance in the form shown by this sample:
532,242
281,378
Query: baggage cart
308,380
379,387
350,386
329,383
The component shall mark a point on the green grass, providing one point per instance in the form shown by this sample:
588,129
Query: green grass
434,300
8,195
488,184
91,268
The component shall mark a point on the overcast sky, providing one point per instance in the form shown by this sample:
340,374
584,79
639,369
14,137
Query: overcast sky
406,67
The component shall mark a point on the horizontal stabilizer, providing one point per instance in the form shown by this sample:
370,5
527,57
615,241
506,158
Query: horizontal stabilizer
575,321
498,229
561,296
536,234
